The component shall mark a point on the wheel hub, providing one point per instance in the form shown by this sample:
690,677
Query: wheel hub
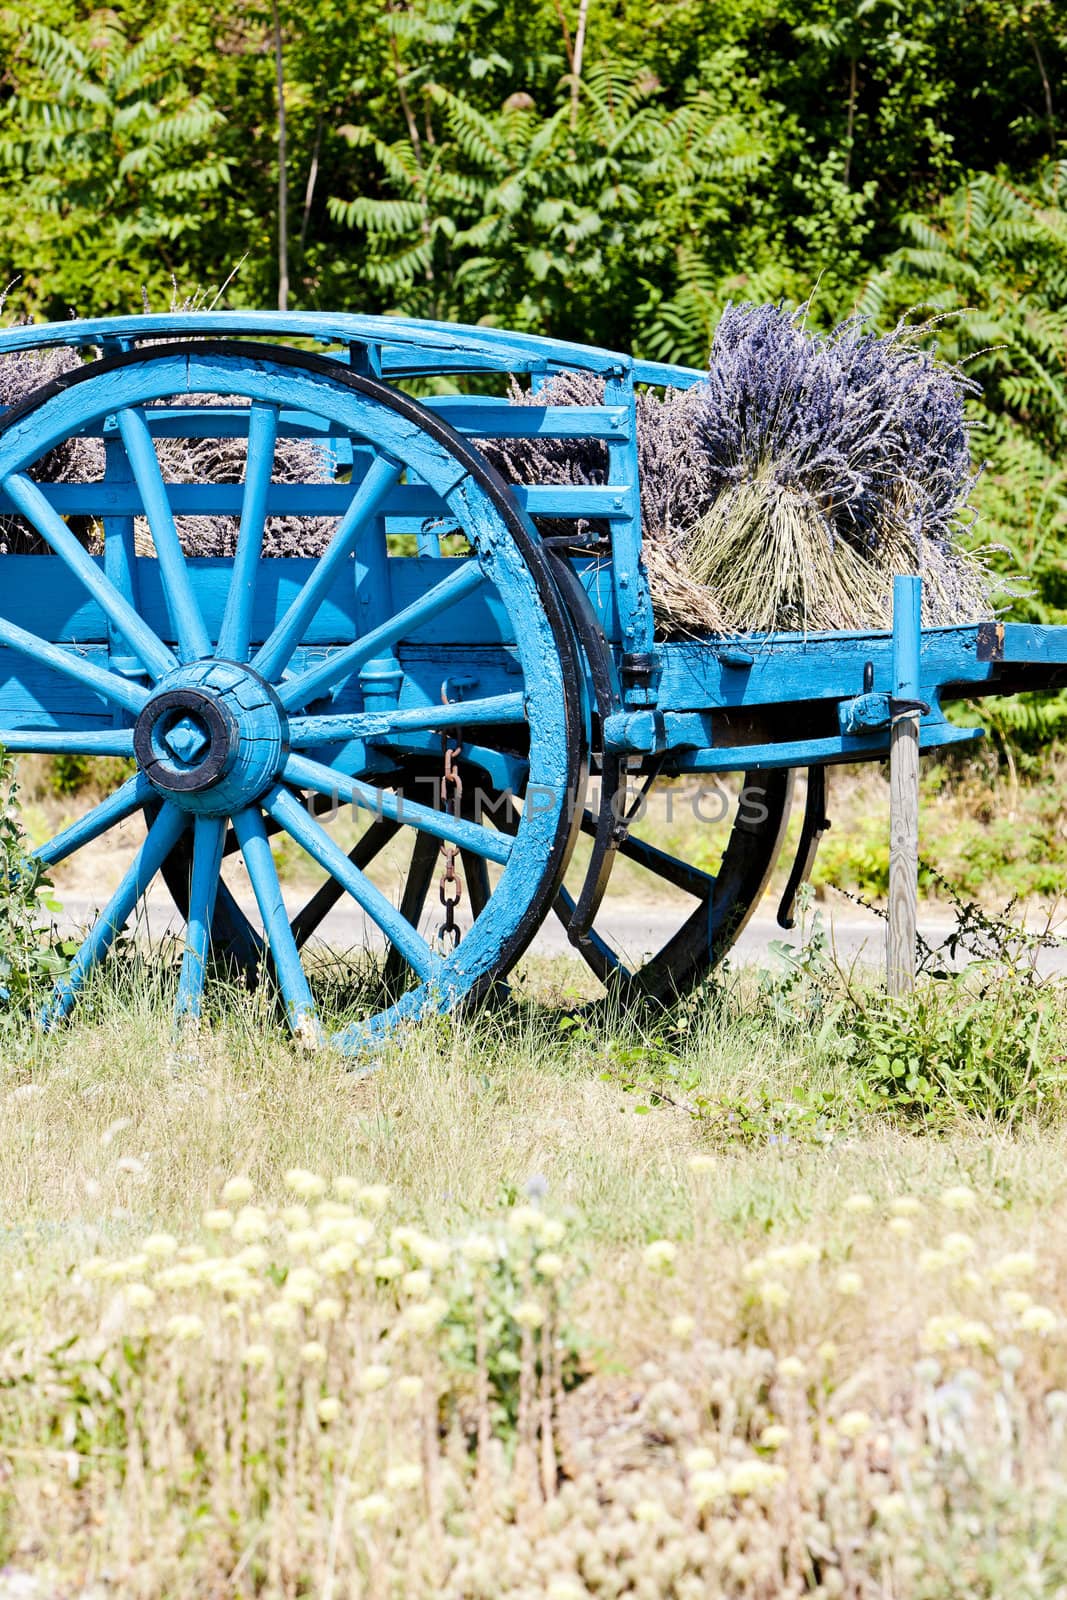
212,738
188,739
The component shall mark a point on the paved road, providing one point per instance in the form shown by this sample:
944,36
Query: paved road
634,926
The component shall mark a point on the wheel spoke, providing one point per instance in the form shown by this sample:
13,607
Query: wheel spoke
232,936
724,901
306,774
163,835
424,857
119,691
693,880
236,628
478,886
273,656
367,846
286,809
491,709
596,951
209,834
296,692
296,993
146,645
185,614
90,742
116,808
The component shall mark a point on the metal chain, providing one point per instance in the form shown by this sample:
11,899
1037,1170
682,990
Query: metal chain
450,892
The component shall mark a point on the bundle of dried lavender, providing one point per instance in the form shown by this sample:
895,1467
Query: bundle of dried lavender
788,489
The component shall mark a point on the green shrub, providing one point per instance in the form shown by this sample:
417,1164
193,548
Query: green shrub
29,960
953,1047
72,774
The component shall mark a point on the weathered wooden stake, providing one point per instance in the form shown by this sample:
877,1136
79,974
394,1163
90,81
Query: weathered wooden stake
904,789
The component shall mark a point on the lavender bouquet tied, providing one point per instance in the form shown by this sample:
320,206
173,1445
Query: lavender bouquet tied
787,489
831,463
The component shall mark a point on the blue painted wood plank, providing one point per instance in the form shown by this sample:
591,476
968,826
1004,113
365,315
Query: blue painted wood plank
480,416
41,586
907,637
633,602
462,579
663,375
819,667
499,420
322,500
32,696
451,343
933,734
1016,642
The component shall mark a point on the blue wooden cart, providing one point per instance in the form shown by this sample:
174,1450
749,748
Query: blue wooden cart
478,688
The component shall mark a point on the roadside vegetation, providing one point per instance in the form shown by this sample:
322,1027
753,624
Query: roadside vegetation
759,1294
762,1296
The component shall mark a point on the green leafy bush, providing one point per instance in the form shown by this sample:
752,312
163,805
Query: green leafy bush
28,959
952,1048
72,774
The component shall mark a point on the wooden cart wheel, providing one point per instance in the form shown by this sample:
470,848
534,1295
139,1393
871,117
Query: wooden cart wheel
229,729
724,901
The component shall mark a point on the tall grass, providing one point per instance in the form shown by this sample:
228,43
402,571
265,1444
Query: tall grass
554,1304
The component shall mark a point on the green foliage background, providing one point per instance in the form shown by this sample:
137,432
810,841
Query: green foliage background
444,159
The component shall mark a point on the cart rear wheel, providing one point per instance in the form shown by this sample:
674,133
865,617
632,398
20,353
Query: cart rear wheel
723,901
232,724
666,969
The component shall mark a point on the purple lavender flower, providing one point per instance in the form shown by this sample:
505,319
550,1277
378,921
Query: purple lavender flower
872,429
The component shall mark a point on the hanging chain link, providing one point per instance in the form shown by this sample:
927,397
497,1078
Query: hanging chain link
450,892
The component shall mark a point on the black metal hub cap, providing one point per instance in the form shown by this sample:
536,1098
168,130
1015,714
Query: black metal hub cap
212,738
185,741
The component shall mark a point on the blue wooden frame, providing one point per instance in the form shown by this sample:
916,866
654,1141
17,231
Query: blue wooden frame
87,642
692,675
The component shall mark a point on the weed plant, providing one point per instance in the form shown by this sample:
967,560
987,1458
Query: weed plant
30,957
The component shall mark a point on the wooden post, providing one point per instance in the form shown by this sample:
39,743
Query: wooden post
904,789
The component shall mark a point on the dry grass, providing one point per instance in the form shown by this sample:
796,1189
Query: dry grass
770,560
830,1369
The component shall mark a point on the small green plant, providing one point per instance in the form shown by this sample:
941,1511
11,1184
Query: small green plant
661,1070
72,774
982,1041
952,1047
28,960
506,1282
805,991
